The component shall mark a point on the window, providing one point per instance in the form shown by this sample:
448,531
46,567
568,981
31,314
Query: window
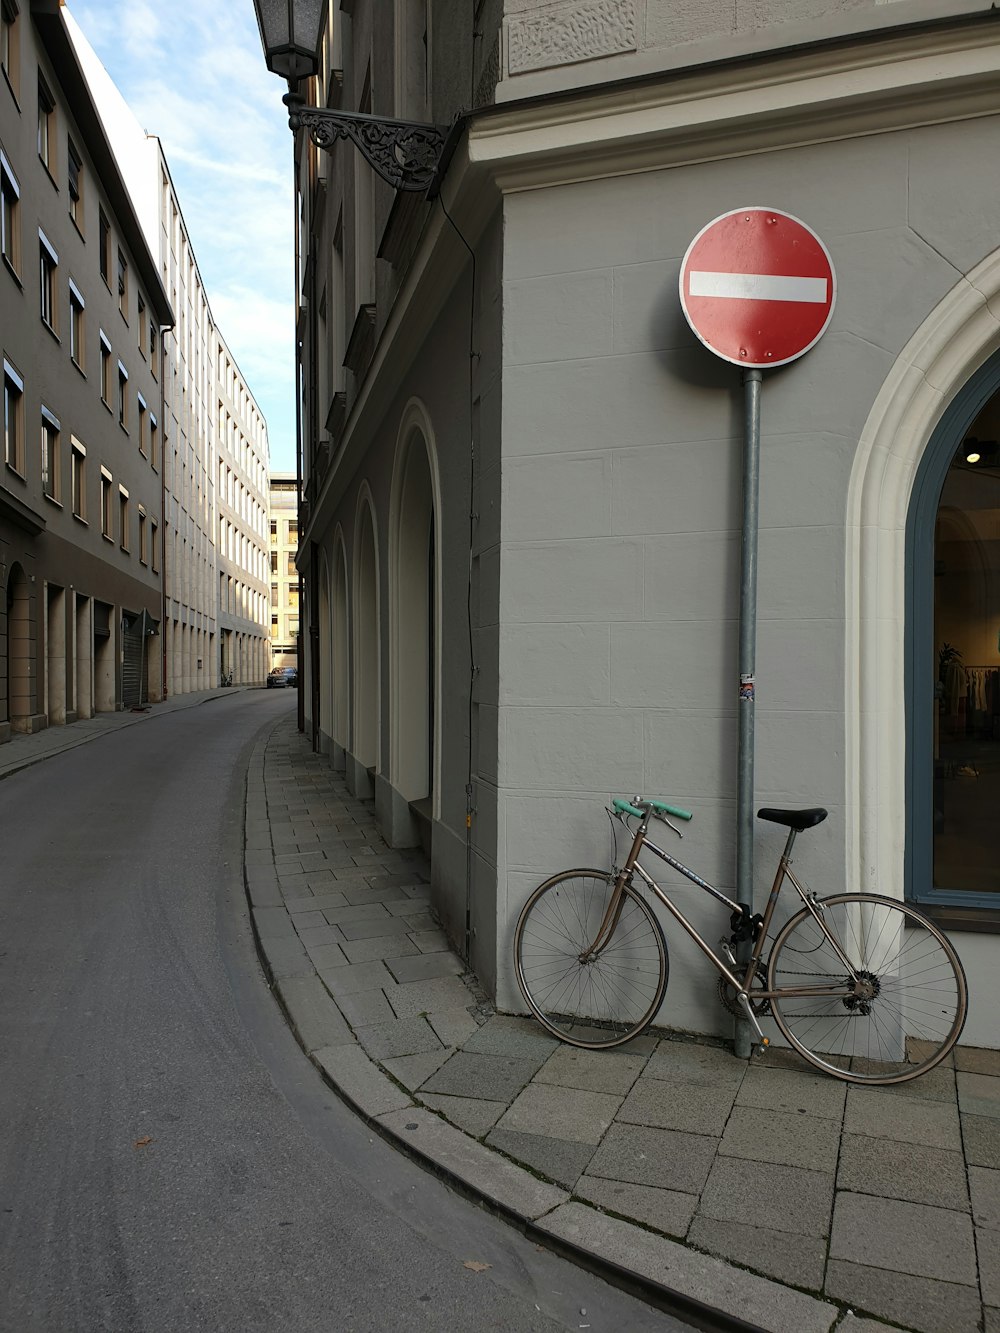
274,593
104,246
293,596
9,44
274,562
107,529
143,419
122,396
10,216
78,462
154,557
48,261
76,308
46,125
140,321
292,571
154,442
123,284
75,181
13,419
152,349
105,369
123,516
51,479
293,534
143,538
274,529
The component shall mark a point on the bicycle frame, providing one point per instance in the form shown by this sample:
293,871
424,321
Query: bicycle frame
742,988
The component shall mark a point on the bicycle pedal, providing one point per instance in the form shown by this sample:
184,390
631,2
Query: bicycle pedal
762,1047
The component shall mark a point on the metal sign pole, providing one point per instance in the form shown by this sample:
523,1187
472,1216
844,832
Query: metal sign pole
752,379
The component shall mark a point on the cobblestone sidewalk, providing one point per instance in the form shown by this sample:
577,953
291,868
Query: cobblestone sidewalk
775,1195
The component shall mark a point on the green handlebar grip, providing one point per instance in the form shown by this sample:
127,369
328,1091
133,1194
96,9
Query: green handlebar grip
627,808
671,810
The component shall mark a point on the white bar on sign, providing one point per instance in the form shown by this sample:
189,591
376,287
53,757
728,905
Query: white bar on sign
759,287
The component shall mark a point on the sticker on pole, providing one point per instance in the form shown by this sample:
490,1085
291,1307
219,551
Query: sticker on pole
758,287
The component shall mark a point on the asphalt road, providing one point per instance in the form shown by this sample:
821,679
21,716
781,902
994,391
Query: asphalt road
169,1160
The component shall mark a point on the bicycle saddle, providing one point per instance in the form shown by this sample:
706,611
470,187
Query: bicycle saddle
796,819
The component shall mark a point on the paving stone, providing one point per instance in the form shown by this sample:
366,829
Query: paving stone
412,1070
430,941
793,1091
695,1064
512,1036
937,1085
782,1136
293,965
405,906
496,1078
424,966
402,1036
368,926
561,1160
798,1260
988,1247
351,978
363,893
273,923
321,902
437,996
360,1081
852,1324
365,1008
453,1026
326,956
697,1108
783,1198
908,1171
981,1137
379,946
666,1210
979,1094
991,1320
472,1114
319,935
265,893
597,1071
661,1157
757,1300
488,1172
307,920
984,1185
585,1117
314,1016
916,1302
974,1060
903,1237
342,911
879,1114
281,951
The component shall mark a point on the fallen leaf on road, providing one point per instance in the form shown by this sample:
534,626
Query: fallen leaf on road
476,1266
142,1143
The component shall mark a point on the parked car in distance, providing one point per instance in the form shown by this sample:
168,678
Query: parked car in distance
281,676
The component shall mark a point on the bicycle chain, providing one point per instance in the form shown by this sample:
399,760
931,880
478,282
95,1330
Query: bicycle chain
728,996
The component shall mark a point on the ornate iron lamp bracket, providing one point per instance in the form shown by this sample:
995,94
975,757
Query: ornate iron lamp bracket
403,152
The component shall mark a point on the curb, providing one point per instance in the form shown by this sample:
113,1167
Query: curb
547,1214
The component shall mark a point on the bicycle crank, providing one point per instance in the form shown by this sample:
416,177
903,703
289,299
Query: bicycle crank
727,994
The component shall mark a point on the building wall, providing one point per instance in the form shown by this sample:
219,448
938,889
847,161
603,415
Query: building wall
284,579
78,573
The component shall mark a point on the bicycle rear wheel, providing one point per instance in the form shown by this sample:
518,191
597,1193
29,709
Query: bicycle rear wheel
589,1000
903,1014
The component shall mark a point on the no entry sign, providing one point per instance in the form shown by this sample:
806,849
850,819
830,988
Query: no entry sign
758,287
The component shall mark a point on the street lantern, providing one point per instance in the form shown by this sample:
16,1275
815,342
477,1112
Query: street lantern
405,153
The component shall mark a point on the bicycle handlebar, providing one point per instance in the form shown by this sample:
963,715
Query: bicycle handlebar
645,806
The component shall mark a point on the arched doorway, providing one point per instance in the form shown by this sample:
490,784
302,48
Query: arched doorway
366,649
19,702
325,660
340,654
414,623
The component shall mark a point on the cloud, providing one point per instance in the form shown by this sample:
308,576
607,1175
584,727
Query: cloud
194,76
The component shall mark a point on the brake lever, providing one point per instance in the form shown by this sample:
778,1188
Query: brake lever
669,823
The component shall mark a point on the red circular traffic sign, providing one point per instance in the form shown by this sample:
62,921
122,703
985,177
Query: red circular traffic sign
758,287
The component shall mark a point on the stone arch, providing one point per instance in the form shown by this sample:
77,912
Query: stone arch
955,341
366,637
340,648
415,612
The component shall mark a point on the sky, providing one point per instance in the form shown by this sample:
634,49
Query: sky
194,75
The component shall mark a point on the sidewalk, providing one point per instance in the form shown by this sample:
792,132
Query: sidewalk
651,1158
21,751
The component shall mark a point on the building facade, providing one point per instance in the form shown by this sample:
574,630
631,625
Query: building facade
82,313
521,518
216,451
284,594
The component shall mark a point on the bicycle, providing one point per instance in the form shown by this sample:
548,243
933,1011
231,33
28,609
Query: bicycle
863,987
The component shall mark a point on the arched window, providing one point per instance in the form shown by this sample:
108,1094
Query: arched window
953,666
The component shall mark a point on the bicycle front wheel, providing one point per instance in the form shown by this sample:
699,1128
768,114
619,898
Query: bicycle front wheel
589,999
900,993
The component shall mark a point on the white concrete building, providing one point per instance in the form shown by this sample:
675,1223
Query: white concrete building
522,471
215,544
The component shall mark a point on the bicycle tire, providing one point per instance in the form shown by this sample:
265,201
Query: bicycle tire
609,998
918,997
